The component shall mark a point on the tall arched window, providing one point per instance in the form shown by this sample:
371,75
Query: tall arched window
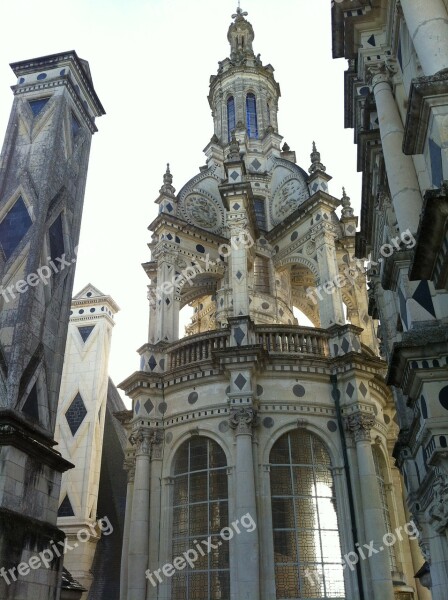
307,551
380,469
200,510
231,116
251,116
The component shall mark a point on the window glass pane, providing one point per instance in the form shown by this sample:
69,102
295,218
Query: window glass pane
14,227
201,510
307,549
251,116
231,117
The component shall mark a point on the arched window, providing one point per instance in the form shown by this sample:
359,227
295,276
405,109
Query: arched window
380,469
231,116
200,511
307,552
251,116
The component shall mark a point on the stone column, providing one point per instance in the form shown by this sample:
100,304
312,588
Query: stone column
427,21
130,467
155,509
139,533
438,541
372,514
329,294
246,545
402,178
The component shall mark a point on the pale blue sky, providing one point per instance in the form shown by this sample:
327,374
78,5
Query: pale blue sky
151,61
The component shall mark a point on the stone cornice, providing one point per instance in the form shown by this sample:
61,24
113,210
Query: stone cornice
431,237
14,432
426,93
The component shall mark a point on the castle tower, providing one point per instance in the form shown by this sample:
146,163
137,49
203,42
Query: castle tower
264,442
43,170
80,423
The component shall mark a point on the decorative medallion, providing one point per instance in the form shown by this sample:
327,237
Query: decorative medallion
202,212
287,197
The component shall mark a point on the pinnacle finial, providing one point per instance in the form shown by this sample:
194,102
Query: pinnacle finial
316,165
234,148
347,210
239,12
167,178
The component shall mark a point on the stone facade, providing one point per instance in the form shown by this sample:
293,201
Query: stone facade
43,170
234,418
396,99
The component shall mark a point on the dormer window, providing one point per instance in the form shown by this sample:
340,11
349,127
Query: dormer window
251,116
231,116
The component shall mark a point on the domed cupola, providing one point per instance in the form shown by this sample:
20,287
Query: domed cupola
244,94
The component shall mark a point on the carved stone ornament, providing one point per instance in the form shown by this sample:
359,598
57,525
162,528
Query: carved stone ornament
202,212
287,198
243,419
145,440
360,425
439,510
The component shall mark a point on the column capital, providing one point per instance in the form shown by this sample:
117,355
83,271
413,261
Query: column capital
145,440
360,425
243,420
382,72
438,512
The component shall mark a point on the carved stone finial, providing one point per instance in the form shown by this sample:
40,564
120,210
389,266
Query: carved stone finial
234,149
360,425
167,187
316,164
243,419
439,510
347,210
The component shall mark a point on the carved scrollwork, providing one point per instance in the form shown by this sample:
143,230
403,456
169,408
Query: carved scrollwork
360,425
439,510
243,419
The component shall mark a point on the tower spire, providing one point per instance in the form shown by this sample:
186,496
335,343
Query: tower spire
316,165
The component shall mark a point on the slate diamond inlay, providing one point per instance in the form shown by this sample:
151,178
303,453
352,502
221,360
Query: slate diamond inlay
234,175
152,363
137,407
85,332
363,389
240,381
256,164
76,413
345,345
239,275
350,389
236,206
148,406
239,335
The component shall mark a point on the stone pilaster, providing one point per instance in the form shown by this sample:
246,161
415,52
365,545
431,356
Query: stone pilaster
330,303
360,425
139,531
155,513
242,421
129,466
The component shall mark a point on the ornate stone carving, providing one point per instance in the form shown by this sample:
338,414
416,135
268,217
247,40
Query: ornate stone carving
201,211
147,441
288,196
439,510
243,419
360,425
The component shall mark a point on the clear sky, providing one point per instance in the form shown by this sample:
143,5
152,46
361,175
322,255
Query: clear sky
151,61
